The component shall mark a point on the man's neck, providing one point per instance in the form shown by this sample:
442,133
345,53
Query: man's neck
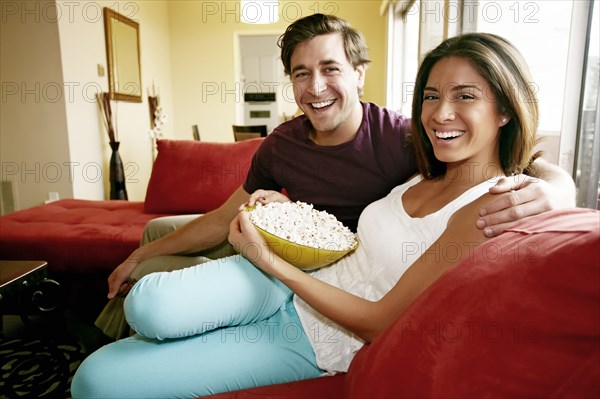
344,133
329,139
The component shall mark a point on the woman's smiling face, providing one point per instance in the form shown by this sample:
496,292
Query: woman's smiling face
460,114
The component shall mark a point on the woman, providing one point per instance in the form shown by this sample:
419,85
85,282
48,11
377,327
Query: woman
233,324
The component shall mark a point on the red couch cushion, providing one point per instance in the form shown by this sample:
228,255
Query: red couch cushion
77,236
324,387
197,177
520,318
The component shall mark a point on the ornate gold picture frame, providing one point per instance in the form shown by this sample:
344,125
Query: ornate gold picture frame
123,57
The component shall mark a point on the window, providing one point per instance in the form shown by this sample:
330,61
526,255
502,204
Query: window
402,54
540,29
558,38
587,162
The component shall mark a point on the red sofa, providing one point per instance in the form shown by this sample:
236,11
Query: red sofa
83,241
518,319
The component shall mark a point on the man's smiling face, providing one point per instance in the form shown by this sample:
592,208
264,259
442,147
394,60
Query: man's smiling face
326,85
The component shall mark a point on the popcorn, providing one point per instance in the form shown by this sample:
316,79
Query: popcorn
300,223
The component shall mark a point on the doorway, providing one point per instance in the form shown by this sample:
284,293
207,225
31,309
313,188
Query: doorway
266,93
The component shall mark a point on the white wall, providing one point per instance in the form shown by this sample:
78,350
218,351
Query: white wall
83,49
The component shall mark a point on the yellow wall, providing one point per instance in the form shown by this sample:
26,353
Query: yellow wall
203,56
184,45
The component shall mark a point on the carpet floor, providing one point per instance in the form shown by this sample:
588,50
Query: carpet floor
38,368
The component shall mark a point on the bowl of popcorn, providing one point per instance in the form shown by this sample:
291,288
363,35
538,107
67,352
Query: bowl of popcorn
303,236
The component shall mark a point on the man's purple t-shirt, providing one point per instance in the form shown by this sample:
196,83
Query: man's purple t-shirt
341,179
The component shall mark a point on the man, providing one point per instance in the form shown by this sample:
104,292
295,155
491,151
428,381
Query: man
341,155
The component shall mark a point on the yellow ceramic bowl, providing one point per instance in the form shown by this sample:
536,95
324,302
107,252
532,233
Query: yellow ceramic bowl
302,256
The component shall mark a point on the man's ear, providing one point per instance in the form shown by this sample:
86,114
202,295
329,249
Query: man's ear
361,70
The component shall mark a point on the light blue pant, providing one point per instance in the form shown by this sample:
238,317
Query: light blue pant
216,327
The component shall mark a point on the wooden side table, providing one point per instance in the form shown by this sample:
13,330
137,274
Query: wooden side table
24,286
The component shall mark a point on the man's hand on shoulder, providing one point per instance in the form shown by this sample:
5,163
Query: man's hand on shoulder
524,196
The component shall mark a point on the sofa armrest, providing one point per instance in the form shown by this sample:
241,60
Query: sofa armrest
518,318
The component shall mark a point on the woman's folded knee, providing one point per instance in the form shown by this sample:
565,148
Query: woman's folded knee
90,380
147,309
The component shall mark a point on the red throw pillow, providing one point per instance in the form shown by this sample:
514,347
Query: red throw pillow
196,177
520,319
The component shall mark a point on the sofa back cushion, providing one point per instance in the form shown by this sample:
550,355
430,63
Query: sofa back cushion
196,177
519,318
